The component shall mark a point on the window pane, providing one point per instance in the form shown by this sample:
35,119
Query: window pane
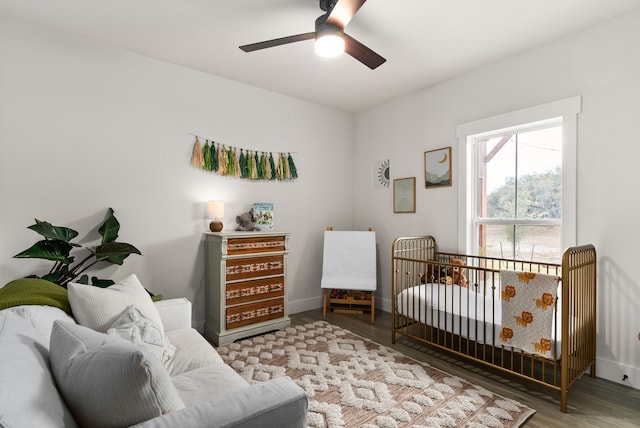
539,166
539,243
497,166
520,175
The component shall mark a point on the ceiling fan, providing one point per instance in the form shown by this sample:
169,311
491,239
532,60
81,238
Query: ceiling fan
331,40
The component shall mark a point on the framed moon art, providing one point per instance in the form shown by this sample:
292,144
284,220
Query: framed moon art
437,168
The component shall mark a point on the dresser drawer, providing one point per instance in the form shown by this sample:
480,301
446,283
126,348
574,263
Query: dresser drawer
256,289
254,267
252,313
264,244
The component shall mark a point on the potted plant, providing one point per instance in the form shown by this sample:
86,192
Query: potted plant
57,246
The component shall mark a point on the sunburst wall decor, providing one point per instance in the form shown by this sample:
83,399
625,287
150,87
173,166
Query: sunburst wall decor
380,174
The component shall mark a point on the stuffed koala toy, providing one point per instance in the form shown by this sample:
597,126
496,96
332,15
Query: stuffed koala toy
247,221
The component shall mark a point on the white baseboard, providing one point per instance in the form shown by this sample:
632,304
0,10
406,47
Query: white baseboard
302,305
384,304
615,372
199,326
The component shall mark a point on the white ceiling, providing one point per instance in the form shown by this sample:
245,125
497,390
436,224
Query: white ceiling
424,41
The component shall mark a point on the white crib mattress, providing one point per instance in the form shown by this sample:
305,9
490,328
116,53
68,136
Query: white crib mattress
457,310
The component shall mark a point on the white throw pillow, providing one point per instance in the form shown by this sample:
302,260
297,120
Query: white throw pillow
28,394
106,381
135,327
98,308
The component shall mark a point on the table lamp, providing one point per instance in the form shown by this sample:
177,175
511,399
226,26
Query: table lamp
215,211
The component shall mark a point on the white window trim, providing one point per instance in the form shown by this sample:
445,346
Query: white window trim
567,109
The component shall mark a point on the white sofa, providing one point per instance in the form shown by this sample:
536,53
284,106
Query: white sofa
210,393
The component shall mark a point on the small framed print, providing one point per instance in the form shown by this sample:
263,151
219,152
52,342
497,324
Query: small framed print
404,195
437,168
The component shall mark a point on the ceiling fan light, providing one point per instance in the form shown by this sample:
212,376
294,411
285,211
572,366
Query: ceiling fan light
329,45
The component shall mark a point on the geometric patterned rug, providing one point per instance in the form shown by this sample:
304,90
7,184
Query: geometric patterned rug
354,382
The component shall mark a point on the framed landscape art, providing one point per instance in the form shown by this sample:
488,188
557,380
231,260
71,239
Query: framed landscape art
437,168
404,195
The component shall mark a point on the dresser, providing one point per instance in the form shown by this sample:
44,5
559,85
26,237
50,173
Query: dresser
245,284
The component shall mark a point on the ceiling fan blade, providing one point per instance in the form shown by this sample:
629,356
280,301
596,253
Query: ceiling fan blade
362,53
343,11
277,42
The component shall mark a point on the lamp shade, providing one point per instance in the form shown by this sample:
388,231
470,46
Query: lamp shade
215,209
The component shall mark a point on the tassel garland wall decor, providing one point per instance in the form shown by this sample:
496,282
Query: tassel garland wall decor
242,163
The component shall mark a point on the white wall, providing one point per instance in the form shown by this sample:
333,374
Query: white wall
84,127
602,65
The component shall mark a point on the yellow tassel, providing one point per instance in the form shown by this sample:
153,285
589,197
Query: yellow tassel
253,168
222,160
280,169
267,167
236,158
197,158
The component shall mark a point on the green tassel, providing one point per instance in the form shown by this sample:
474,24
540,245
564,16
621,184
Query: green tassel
272,164
243,164
231,170
264,162
292,168
206,154
214,158
285,167
262,167
249,164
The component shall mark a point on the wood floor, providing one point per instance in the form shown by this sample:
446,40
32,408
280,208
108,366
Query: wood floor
593,402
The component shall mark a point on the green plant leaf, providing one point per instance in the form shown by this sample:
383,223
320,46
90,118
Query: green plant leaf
57,245
82,279
102,283
57,251
49,231
110,228
115,252
53,277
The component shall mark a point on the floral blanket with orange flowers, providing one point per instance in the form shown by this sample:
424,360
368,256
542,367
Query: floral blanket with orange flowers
528,300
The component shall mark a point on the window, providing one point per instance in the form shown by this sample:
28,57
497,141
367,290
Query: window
518,194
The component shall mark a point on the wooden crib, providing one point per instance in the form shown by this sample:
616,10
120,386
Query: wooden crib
466,320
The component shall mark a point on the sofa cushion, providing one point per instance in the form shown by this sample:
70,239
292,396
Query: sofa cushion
192,351
98,308
28,395
135,327
106,381
207,383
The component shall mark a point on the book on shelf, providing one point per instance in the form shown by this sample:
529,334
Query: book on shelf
264,215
